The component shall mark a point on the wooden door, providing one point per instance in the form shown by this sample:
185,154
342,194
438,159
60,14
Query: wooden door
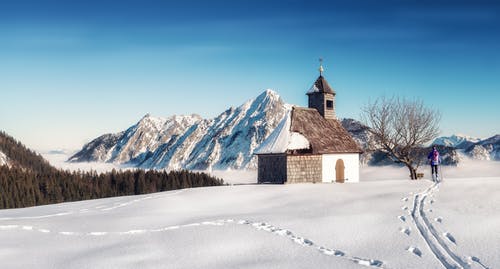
339,170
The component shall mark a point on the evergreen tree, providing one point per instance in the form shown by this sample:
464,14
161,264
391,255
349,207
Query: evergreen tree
30,180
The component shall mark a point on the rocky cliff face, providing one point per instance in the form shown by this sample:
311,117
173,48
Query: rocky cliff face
3,159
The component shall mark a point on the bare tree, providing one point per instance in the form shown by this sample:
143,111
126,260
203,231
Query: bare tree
401,128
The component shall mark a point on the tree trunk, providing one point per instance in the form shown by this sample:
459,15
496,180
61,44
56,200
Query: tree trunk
413,171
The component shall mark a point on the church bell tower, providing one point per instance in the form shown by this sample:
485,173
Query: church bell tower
321,96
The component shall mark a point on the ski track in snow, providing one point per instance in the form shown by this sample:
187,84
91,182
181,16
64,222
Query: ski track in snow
119,204
86,210
437,245
37,217
259,226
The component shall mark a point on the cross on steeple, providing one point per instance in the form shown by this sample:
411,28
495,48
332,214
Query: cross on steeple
321,67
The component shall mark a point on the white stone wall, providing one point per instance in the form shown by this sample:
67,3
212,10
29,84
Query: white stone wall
351,164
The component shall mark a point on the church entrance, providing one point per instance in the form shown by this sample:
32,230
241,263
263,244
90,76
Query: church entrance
339,170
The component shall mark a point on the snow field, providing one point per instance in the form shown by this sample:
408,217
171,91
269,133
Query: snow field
369,224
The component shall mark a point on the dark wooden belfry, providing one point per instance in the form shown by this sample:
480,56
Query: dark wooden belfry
322,96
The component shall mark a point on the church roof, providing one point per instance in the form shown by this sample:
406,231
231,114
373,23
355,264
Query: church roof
306,129
325,135
282,139
321,86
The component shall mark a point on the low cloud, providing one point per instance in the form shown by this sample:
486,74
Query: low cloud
467,169
58,159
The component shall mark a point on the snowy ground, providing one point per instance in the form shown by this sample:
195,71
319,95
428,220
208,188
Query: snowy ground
384,221
379,223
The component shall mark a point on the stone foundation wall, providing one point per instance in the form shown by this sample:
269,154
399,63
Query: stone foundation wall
305,168
272,168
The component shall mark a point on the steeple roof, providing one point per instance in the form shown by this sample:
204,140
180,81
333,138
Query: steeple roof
321,86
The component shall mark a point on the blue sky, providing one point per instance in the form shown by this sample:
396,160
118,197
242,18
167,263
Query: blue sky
73,70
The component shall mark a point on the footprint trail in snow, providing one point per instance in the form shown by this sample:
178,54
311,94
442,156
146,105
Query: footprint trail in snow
86,210
260,226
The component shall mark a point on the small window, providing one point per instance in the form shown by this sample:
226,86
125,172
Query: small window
329,104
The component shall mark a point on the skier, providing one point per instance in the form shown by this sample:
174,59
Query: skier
434,161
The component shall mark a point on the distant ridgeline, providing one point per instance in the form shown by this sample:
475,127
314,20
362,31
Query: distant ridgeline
26,179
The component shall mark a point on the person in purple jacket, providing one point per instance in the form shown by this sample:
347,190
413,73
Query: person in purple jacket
434,161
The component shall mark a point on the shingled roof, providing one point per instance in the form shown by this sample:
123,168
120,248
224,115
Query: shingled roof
321,86
325,136
304,129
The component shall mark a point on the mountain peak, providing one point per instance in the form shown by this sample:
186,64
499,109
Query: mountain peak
271,92
267,96
463,136
148,120
456,141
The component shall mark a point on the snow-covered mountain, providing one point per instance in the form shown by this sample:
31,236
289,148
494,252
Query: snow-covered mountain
3,159
487,149
456,141
229,140
474,148
191,142
453,148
